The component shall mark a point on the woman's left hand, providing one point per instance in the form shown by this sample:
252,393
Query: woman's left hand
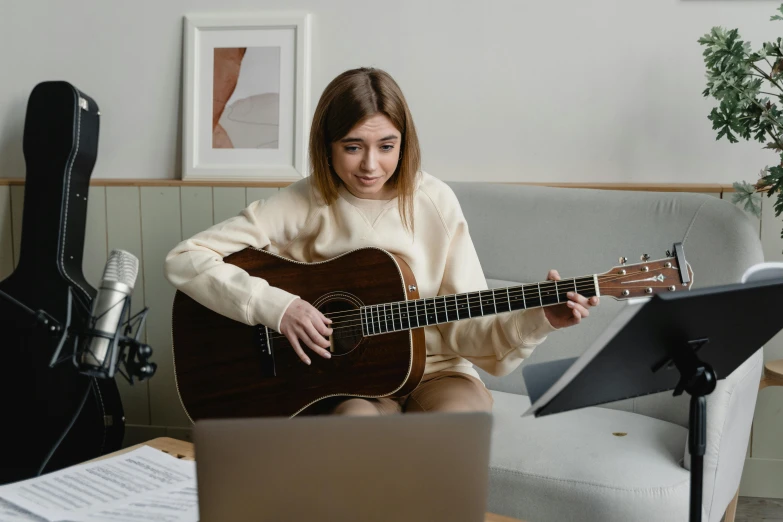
570,312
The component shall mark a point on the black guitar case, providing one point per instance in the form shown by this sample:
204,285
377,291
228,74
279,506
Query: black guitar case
38,402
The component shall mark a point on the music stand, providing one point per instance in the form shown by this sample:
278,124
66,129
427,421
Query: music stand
681,341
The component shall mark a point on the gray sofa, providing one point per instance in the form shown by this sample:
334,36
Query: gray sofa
570,466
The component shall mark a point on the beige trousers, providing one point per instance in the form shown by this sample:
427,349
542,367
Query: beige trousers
440,391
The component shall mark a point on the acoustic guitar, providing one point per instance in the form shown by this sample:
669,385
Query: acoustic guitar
224,368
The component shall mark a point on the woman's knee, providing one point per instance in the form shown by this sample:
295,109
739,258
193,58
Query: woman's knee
360,407
461,404
450,393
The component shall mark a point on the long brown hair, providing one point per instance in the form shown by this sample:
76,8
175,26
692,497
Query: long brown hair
349,99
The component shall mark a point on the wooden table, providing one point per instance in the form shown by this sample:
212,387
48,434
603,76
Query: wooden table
184,450
773,374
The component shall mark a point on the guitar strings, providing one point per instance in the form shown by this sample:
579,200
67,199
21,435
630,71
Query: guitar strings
534,291
447,302
355,320
514,291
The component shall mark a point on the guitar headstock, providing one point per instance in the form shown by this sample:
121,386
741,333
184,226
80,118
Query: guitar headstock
646,279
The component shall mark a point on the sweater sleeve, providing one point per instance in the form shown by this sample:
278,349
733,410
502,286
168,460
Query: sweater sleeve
196,267
497,343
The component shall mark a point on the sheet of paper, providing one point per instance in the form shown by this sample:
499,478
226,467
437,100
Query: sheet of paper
11,513
179,504
144,484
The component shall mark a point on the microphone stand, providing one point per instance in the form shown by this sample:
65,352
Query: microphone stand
45,320
136,361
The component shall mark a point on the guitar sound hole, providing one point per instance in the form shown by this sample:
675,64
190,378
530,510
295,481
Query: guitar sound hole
346,325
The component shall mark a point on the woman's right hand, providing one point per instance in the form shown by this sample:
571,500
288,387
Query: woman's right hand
304,322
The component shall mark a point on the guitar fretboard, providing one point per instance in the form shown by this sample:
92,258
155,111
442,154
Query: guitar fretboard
406,315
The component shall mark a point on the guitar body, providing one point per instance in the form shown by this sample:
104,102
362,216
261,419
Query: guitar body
226,369
38,402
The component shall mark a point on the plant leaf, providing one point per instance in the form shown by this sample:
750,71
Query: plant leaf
745,194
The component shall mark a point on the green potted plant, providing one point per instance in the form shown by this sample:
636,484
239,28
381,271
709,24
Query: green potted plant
749,87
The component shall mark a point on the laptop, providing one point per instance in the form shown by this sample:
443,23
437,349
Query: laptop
399,468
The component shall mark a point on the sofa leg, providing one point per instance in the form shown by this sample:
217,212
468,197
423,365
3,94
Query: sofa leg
731,509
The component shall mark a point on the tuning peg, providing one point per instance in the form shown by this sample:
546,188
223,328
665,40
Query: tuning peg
645,257
623,260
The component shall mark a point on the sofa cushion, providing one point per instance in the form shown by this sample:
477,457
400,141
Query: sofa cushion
571,466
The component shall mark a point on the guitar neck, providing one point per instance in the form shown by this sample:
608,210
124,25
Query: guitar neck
406,315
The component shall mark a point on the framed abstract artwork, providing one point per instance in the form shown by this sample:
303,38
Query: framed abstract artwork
246,92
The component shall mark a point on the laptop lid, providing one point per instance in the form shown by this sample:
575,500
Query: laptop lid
414,467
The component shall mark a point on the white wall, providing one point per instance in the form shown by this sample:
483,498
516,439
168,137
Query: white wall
569,90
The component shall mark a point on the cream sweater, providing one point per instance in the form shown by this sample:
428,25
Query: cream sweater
296,224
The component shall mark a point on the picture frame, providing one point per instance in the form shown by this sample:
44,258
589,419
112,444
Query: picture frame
246,93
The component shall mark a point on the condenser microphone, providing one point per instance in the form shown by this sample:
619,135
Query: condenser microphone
98,358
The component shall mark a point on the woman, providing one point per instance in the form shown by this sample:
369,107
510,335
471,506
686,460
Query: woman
366,189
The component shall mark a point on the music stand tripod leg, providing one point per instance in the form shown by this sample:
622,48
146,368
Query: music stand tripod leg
698,379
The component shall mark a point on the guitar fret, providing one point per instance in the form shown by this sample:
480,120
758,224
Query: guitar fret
434,311
494,301
385,319
394,326
508,297
467,297
378,313
557,293
524,301
445,309
481,303
426,319
416,309
540,299
456,306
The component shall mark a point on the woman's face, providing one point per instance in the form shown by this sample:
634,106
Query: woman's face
367,157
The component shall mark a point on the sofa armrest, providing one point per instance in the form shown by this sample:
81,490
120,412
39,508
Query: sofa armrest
730,411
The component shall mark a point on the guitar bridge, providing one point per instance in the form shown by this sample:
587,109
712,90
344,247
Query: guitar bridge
267,358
